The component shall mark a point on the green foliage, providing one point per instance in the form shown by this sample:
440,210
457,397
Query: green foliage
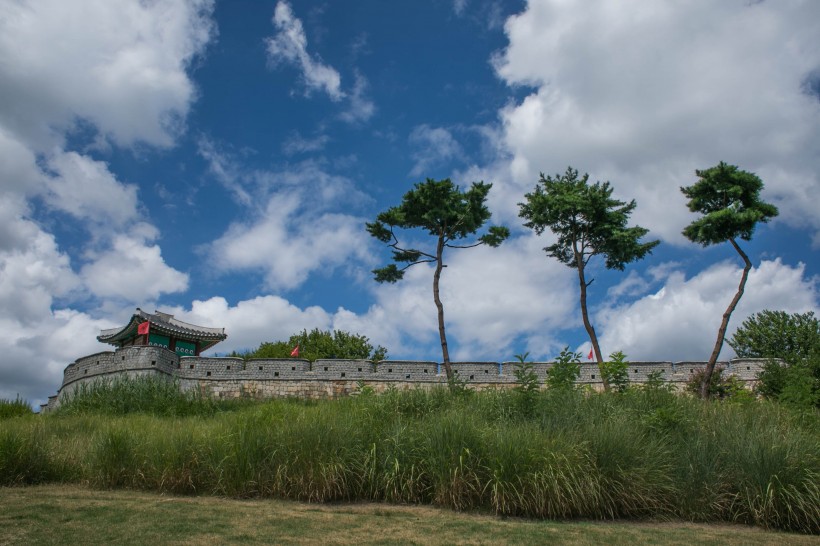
656,382
616,372
777,334
318,344
14,408
146,395
528,385
729,200
440,208
586,219
641,454
720,387
793,338
565,371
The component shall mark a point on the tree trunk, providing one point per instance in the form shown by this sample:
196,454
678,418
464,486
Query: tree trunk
445,354
579,262
710,366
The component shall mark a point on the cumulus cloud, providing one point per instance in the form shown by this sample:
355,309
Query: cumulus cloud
132,269
680,320
87,190
36,354
288,241
120,65
643,94
289,46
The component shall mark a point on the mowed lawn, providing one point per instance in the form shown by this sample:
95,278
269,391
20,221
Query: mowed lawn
63,514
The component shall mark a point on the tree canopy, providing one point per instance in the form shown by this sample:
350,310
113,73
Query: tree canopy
318,344
728,200
777,334
588,222
446,213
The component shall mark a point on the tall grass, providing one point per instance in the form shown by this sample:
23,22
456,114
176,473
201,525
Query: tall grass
147,394
564,454
14,408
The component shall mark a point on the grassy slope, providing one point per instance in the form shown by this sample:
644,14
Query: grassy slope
57,514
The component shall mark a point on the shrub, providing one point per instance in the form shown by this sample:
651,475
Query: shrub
563,374
616,372
528,384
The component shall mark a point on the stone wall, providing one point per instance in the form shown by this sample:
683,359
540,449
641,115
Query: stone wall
272,378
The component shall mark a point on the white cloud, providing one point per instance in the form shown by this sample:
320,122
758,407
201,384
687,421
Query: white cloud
132,269
360,107
681,319
289,241
117,64
289,45
297,144
434,147
36,354
32,272
251,322
87,190
642,94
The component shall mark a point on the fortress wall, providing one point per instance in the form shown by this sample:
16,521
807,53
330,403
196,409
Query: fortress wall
228,377
126,362
395,371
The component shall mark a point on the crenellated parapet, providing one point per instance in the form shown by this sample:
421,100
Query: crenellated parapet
229,377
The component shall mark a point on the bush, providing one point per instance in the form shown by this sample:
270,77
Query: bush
719,387
528,385
566,370
616,372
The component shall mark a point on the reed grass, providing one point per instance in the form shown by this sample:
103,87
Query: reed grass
567,454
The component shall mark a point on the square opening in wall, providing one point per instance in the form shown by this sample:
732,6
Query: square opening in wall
486,371
425,370
748,368
593,376
472,377
407,376
192,366
325,368
343,374
123,358
360,369
208,374
153,363
275,374
389,370
260,369
227,367
293,368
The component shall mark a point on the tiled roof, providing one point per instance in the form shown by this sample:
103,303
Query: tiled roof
166,324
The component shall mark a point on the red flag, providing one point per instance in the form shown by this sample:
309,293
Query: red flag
142,329
295,351
589,356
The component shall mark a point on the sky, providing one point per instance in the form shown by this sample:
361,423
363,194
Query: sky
219,160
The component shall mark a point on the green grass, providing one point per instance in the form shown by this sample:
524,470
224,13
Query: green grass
643,454
14,408
58,514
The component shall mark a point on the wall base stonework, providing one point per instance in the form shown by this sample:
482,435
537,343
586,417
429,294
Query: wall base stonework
278,378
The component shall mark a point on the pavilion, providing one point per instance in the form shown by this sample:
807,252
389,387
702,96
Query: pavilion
163,330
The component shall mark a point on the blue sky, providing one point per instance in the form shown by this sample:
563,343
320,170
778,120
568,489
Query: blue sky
218,161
